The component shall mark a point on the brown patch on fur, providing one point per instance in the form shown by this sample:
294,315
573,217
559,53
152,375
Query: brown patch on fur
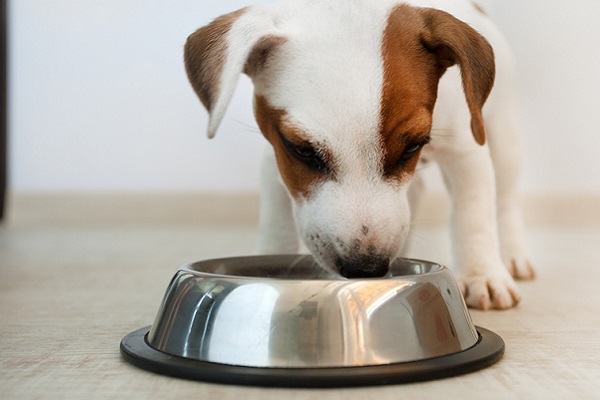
205,52
260,54
455,42
419,44
410,77
298,178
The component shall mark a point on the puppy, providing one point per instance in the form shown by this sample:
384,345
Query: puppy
351,94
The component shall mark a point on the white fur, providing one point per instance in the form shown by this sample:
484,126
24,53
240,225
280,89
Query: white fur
335,98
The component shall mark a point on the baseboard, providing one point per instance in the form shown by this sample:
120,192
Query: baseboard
242,208
581,210
133,208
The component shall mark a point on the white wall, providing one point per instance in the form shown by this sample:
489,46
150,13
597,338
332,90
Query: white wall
556,45
100,100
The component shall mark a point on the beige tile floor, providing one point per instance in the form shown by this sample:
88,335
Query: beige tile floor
70,289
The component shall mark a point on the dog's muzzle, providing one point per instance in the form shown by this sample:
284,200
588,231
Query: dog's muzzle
364,266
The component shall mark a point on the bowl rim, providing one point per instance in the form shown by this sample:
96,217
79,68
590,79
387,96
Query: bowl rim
434,268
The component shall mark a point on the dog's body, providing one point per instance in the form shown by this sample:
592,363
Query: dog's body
345,92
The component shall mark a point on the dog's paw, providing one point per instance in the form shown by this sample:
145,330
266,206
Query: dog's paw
497,290
515,256
520,268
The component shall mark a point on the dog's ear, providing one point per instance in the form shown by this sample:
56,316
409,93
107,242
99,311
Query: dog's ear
454,42
216,54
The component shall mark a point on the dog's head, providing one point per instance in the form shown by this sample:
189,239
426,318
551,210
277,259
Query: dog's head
345,96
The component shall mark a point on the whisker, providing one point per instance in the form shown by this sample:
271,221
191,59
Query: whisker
247,126
441,130
449,135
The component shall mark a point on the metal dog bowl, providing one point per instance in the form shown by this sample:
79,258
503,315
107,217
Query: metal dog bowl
284,321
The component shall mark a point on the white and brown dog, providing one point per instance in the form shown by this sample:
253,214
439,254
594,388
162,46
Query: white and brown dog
350,93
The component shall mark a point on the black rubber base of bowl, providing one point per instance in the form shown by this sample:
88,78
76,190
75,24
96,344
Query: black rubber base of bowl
489,349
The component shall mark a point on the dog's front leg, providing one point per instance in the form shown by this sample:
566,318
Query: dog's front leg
469,176
277,230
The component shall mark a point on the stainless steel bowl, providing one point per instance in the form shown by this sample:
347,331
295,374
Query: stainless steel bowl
287,313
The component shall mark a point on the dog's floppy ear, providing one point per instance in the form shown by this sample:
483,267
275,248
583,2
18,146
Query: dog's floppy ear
216,54
455,42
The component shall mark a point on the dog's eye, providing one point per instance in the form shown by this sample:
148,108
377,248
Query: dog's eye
304,153
413,149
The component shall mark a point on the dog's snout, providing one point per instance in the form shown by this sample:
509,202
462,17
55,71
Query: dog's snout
367,266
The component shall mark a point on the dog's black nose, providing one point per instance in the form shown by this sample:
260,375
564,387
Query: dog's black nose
367,266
